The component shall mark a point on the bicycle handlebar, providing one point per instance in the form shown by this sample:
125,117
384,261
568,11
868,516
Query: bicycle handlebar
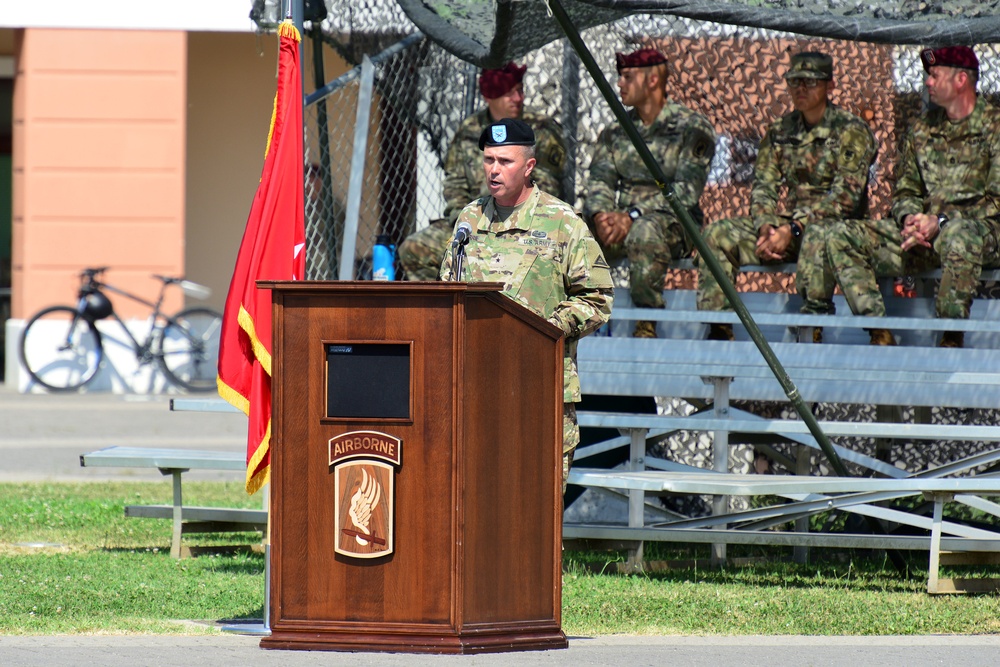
93,271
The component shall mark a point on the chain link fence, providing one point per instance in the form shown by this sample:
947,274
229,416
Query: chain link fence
376,169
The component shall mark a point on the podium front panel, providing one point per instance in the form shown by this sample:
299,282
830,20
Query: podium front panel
418,574
475,539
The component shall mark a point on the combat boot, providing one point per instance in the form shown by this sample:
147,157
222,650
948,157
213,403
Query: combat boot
644,329
881,337
817,335
720,332
952,339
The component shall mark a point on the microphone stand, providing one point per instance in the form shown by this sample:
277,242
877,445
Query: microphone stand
457,259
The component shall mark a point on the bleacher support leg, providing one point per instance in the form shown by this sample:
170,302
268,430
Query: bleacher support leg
175,542
803,466
935,558
637,497
720,460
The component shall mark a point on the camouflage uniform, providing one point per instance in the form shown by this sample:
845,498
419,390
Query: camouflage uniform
945,167
420,254
683,142
549,263
825,170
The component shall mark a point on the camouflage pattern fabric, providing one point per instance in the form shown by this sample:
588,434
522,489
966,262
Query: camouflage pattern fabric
571,439
824,170
859,250
734,240
683,142
548,262
945,167
951,168
420,253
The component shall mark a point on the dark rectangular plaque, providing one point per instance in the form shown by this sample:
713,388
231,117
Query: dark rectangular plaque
368,380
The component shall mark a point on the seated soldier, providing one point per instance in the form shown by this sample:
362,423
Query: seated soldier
625,207
420,254
945,207
822,156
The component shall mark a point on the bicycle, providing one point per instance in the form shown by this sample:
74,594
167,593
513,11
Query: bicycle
62,348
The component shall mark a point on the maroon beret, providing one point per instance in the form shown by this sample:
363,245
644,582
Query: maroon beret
950,56
640,58
496,82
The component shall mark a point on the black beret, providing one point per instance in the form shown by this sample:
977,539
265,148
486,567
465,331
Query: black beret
507,132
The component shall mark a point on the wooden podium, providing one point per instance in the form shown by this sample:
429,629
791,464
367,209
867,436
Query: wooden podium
415,470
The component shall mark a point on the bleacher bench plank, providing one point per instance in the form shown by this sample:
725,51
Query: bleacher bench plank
823,373
175,462
936,488
842,369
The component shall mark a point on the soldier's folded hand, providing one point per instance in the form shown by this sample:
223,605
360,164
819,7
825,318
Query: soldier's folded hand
773,242
918,230
612,227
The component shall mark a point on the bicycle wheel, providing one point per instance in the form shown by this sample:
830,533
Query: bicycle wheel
60,349
189,348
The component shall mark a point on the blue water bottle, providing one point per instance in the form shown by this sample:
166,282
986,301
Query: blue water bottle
384,258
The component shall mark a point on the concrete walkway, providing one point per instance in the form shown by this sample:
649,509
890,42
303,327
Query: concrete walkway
42,437
221,651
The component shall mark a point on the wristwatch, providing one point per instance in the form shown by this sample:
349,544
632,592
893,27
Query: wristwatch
796,230
942,220
634,213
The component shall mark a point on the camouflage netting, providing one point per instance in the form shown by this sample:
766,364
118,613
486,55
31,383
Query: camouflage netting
732,74
489,32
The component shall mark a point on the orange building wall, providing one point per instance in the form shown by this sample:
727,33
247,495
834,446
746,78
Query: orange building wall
99,151
231,82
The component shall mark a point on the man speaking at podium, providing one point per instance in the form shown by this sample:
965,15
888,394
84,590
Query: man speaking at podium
541,251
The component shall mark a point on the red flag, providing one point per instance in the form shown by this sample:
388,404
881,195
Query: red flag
273,248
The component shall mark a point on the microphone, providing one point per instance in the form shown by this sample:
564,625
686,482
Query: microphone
462,234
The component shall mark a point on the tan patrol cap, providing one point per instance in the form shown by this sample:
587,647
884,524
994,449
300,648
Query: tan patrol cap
810,65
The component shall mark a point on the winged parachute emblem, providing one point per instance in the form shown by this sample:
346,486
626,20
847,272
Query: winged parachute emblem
363,503
363,464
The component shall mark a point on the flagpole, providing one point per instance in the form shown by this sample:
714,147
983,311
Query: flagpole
263,253
293,9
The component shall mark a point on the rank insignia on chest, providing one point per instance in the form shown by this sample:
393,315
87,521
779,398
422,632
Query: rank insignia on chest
539,234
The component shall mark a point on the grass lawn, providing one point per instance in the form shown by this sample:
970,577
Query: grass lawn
70,562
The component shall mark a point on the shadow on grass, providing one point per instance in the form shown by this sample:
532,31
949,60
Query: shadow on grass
220,556
775,567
